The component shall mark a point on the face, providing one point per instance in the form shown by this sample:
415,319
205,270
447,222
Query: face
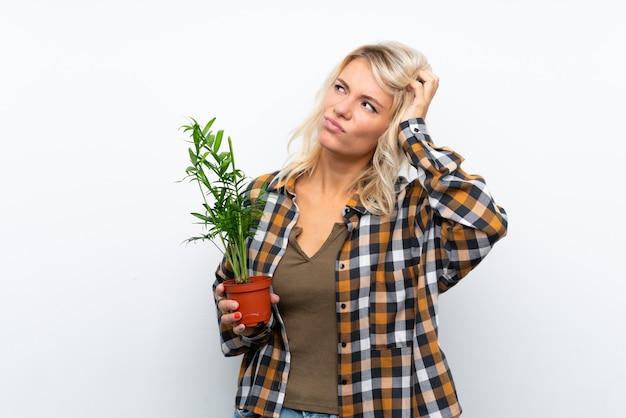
356,113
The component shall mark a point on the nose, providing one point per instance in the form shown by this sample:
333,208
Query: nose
343,108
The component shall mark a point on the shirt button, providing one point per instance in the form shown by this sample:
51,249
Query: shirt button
416,129
344,382
343,306
342,266
344,345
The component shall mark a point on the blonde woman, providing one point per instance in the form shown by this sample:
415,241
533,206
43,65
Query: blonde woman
359,254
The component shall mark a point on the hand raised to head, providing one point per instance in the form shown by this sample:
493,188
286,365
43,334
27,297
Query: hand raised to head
424,89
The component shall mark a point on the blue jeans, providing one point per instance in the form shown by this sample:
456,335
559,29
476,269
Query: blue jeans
284,413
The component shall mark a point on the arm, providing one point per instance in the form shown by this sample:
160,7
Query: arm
453,194
466,219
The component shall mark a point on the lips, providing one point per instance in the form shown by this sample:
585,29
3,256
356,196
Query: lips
333,125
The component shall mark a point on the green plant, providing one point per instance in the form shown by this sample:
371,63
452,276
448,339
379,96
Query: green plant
229,216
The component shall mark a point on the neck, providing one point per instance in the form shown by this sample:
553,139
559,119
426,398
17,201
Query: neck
334,177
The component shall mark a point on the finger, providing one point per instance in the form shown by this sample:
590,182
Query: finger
274,298
241,330
427,76
422,96
227,306
220,293
231,318
430,82
223,304
416,85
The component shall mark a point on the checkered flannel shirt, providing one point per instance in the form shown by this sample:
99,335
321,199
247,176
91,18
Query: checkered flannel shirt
389,274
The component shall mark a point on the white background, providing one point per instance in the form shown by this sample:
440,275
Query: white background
104,313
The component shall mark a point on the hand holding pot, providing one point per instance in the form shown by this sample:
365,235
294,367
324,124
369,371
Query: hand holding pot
229,311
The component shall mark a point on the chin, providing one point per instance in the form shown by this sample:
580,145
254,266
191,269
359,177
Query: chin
328,142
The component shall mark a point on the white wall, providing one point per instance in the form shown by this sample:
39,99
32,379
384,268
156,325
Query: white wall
103,313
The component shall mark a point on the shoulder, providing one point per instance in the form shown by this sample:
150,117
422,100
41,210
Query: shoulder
262,184
266,180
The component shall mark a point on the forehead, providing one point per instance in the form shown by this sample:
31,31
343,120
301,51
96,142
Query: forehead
360,79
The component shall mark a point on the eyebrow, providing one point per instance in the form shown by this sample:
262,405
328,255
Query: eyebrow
365,96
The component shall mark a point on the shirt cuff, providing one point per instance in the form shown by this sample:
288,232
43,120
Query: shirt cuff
414,126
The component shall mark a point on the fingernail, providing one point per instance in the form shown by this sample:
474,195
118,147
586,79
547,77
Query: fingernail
237,316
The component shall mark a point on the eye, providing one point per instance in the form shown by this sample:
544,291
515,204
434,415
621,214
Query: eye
339,88
369,107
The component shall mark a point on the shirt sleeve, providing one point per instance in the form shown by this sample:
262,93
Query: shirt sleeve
467,219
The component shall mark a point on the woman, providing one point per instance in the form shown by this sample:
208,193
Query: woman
359,254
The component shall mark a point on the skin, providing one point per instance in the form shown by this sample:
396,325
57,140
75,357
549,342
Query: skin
356,113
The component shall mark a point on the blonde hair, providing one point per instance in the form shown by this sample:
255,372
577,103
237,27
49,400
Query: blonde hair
394,66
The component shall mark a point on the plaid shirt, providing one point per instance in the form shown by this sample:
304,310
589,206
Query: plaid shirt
389,274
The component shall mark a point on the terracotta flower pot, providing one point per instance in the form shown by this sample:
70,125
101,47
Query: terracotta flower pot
253,298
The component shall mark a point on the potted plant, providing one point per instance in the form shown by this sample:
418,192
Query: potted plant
228,217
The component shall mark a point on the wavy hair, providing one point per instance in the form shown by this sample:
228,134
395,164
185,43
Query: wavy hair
394,66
